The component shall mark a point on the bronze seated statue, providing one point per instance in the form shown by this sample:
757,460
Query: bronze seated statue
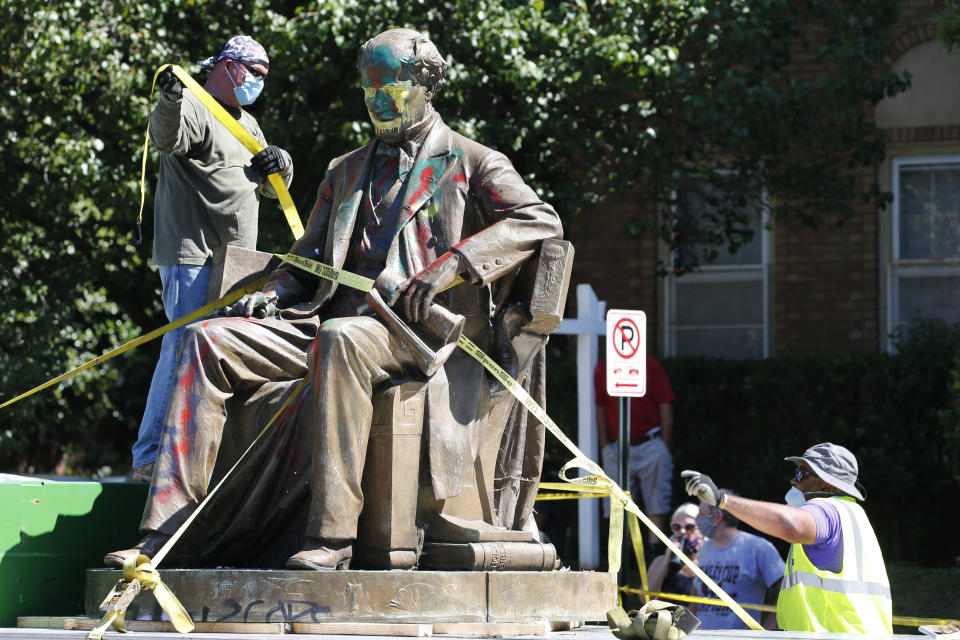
398,441
257,517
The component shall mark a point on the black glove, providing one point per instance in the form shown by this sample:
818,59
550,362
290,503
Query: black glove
170,85
270,160
699,485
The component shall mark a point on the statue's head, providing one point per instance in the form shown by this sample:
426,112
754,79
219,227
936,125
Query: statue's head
400,73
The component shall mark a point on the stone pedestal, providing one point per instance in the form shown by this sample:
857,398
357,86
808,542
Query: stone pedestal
228,595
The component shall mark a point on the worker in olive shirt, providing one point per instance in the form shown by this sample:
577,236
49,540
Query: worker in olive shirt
835,578
208,196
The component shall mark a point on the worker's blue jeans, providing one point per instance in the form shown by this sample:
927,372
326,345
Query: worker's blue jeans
184,291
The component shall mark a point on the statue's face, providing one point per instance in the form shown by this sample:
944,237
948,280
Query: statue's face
394,100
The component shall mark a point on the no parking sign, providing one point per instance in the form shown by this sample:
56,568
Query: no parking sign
626,353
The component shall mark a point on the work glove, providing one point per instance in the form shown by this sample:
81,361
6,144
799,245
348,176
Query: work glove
270,160
254,305
700,485
170,86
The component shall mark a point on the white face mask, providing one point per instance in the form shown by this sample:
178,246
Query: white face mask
795,497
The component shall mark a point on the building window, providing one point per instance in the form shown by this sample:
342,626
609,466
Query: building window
722,309
925,269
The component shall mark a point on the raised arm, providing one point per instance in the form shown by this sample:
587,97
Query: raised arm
779,520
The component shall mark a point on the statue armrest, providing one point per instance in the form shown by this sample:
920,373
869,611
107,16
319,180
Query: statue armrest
547,294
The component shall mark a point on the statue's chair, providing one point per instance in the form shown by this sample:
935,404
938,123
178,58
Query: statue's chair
490,523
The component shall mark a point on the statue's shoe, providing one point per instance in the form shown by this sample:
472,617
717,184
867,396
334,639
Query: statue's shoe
319,557
149,546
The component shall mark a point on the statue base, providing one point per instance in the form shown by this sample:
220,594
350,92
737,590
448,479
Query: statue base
264,596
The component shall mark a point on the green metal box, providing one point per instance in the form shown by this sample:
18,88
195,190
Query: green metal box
51,532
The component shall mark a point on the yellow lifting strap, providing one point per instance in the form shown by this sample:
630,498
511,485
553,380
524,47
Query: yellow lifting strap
139,574
286,202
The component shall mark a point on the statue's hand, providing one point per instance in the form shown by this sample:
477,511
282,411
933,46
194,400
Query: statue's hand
254,305
420,292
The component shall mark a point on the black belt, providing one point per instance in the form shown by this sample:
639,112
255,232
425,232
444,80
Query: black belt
644,438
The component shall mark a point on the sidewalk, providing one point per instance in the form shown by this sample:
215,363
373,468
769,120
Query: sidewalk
589,632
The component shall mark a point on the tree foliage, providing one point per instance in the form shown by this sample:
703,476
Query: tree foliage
587,98
949,20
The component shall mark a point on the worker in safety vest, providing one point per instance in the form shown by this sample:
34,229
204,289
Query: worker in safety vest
835,578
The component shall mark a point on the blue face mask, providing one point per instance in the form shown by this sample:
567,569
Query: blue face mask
706,527
249,90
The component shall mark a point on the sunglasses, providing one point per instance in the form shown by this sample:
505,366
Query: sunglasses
256,73
803,473
676,526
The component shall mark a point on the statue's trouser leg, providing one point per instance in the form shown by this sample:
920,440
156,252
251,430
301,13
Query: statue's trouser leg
215,360
348,359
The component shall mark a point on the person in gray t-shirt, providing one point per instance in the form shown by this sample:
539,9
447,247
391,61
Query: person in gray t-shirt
208,196
743,564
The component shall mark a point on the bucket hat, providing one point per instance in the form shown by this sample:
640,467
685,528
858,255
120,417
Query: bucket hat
835,465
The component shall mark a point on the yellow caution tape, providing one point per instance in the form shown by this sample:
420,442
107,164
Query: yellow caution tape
597,479
903,621
136,342
251,143
566,486
568,496
697,599
908,621
637,541
616,523
339,276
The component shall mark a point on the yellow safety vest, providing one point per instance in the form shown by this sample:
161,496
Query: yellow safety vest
855,600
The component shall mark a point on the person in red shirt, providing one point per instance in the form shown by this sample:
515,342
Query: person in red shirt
651,426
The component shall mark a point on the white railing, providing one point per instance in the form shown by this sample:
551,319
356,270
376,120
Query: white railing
589,323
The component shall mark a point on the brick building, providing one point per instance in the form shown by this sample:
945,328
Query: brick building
835,289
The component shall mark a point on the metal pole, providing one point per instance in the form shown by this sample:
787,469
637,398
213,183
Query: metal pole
623,473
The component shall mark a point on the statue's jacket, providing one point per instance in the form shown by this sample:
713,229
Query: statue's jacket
459,196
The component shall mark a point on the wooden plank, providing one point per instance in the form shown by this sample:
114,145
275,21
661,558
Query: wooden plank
405,630
86,624
491,629
40,622
566,625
